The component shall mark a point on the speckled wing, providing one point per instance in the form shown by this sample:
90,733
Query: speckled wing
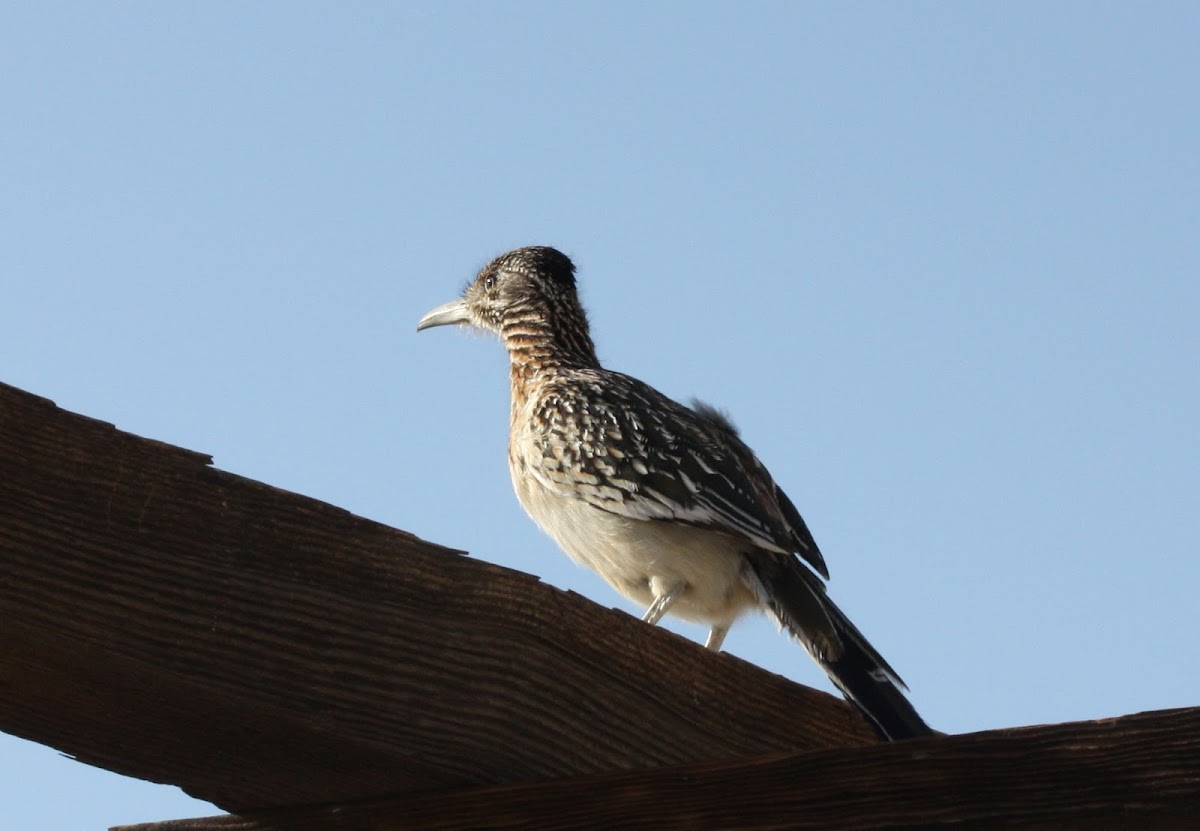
624,447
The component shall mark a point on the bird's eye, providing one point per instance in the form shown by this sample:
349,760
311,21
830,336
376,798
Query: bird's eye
489,282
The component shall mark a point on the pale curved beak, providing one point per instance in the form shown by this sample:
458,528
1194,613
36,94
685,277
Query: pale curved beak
446,314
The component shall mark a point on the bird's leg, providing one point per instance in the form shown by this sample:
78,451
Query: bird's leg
716,637
663,603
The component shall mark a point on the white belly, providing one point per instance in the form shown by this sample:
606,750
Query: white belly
643,559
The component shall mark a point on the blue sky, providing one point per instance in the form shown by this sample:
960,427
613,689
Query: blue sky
940,261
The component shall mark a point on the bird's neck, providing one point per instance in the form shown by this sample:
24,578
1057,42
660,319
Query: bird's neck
543,341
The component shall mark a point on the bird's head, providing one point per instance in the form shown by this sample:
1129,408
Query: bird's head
528,297
536,278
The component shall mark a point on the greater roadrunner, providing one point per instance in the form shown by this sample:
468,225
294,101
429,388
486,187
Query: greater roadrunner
665,502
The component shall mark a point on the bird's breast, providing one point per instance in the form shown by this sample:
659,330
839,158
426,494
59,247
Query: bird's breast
639,558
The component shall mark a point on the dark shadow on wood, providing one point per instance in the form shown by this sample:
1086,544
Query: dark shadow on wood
1135,772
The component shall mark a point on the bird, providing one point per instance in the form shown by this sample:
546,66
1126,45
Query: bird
664,501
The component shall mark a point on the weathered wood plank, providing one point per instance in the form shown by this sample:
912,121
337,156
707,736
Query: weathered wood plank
1135,772
170,621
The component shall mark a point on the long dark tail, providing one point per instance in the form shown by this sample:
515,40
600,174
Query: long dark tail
796,598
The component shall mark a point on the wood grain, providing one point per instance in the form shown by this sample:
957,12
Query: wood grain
1136,772
170,621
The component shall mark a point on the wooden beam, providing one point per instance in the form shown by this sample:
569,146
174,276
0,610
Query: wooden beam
1136,772
177,623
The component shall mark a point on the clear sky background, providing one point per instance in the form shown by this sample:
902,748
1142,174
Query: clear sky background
940,261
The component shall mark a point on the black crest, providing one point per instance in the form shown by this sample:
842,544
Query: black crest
549,264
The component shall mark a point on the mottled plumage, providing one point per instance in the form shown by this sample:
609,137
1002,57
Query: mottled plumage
666,502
